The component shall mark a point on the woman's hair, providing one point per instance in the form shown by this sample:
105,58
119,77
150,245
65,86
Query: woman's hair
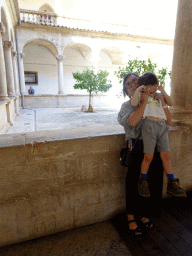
147,79
124,81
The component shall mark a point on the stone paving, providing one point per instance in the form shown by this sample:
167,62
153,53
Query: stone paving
61,118
100,239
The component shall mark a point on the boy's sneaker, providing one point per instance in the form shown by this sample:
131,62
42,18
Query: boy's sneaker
143,187
174,188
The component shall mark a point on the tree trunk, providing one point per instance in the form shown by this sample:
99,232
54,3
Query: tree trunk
90,109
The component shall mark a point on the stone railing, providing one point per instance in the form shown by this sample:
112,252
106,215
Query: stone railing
37,17
52,19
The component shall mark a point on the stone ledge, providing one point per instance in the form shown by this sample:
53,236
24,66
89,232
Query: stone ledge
18,139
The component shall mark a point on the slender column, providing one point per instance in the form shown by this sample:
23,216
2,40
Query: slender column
181,78
3,81
9,68
60,74
21,71
15,71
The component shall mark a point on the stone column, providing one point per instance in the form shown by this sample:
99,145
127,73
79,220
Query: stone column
15,71
60,74
3,81
9,68
181,78
21,72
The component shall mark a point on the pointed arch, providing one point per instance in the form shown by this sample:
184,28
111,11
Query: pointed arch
46,8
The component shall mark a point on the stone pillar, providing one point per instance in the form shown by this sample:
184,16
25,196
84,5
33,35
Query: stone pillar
60,74
21,72
181,78
9,68
3,81
15,71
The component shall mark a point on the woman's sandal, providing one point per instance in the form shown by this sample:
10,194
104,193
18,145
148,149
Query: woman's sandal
147,223
135,231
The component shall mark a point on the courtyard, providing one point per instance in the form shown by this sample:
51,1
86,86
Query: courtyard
39,119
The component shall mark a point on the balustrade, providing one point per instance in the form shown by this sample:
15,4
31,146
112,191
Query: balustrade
37,17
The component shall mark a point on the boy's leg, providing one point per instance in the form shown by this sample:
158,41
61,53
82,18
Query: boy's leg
173,186
146,162
165,157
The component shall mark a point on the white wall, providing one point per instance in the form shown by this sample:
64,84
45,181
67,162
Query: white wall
41,60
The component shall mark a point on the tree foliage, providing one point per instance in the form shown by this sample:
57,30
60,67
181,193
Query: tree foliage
92,82
140,67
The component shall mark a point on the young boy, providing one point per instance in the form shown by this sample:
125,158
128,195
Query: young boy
155,132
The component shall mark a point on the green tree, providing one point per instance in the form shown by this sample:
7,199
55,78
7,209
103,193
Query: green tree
92,82
140,67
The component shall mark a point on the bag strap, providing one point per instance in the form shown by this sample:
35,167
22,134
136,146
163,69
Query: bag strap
132,145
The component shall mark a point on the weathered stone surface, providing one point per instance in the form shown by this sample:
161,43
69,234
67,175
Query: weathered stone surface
51,182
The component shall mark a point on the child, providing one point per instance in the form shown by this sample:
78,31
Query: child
155,132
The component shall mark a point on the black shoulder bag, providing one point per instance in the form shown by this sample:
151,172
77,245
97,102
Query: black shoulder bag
125,153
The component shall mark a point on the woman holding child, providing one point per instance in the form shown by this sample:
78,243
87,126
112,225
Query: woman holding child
139,208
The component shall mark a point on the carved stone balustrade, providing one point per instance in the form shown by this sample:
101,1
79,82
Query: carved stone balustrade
38,17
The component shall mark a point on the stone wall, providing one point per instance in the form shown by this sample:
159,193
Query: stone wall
57,180
70,101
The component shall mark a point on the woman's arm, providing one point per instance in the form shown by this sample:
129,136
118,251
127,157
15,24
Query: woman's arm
137,115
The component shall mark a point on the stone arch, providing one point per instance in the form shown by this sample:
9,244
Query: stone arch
40,56
46,8
82,48
115,54
6,35
42,42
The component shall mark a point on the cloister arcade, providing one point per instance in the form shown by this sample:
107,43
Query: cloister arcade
41,44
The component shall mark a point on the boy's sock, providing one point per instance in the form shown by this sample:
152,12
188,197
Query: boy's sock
171,176
143,175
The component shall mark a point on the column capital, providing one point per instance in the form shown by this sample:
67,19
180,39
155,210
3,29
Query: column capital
22,55
8,44
2,28
14,53
60,57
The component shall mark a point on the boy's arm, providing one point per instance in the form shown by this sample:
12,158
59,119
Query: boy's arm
136,98
137,115
167,98
167,112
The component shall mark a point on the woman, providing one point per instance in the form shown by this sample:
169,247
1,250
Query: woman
139,209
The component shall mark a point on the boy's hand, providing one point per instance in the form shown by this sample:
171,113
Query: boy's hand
160,87
161,97
158,96
141,88
144,97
